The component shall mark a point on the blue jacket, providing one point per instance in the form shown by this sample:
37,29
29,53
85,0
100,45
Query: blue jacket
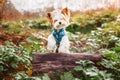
58,35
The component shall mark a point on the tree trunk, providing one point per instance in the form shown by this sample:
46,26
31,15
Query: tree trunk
59,62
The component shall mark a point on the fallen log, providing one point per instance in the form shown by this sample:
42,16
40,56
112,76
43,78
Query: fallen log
59,62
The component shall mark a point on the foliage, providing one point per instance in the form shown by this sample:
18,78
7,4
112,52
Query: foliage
39,24
14,27
34,45
107,37
90,72
86,22
112,62
23,76
89,33
13,59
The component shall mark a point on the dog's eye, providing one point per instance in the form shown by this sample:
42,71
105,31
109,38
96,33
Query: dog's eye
55,20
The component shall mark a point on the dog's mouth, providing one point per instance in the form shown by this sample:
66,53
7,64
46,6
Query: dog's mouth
60,26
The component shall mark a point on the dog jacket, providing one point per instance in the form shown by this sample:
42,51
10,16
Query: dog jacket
58,35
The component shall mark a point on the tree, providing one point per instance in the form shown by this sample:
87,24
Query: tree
2,4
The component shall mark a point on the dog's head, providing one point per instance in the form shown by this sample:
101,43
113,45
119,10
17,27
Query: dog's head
59,18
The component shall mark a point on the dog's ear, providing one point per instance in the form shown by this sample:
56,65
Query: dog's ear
66,12
49,16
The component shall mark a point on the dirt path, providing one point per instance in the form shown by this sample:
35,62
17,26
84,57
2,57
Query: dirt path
12,38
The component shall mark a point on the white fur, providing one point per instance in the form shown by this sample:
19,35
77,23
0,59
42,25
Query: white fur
64,45
51,43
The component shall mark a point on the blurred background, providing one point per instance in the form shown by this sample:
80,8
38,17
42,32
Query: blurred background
94,29
13,9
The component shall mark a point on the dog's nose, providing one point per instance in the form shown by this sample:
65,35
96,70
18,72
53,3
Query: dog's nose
60,22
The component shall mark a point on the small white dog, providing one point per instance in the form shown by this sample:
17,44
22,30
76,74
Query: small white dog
58,40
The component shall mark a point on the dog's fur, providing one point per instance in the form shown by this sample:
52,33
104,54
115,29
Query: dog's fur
59,19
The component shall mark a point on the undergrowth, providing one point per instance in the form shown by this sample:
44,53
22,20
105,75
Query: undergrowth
95,33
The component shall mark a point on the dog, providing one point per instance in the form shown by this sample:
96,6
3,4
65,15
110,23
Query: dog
58,40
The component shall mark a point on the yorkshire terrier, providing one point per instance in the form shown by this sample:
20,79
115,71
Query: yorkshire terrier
58,40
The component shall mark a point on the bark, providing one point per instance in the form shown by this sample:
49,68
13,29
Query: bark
59,62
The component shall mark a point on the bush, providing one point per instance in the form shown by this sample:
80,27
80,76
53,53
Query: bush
76,27
14,27
39,24
86,22
106,37
112,62
12,60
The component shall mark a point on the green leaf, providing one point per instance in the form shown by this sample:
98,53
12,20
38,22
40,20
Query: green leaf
45,77
112,56
31,39
37,47
13,65
1,68
117,49
78,68
67,76
85,62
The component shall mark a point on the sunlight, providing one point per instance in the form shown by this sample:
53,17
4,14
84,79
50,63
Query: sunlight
78,5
